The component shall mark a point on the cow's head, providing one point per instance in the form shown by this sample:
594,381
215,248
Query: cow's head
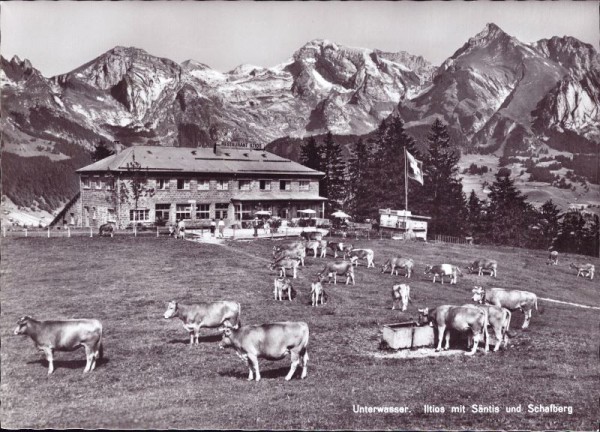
424,316
385,267
354,260
478,294
428,269
226,338
22,325
171,310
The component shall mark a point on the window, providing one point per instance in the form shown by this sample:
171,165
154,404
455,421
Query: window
162,184
221,210
222,185
243,213
265,185
245,185
203,185
304,185
98,182
161,211
285,185
139,215
183,211
183,184
110,183
202,211
86,182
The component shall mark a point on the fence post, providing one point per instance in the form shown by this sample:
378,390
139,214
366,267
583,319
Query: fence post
48,232
156,231
25,232
3,231
233,237
134,231
68,231
91,234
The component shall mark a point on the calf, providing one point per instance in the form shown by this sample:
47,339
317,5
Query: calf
484,264
66,335
585,270
271,341
209,315
400,292
295,250
317,291
459,318
284,264
342,247
396,263
107,229
552,258
337,268
442,270
499,320
366,254
512,300
282,285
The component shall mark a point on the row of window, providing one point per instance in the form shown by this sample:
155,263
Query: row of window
185,184
184,211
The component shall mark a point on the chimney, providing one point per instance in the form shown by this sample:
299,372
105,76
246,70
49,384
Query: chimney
117,146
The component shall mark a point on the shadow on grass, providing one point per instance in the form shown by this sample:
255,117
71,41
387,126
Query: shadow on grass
279,373
70,364
201,340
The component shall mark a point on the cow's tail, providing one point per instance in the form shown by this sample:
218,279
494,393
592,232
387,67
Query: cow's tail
100,350
238,322
508,317
541,309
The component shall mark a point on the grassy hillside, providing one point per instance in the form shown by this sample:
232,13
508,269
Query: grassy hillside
150,378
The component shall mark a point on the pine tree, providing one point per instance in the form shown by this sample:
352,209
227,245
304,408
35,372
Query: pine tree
578,233
474,215
334,166
549,217
359,192
311,155
442,197
101,151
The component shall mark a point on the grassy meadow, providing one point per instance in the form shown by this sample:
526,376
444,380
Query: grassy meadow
151,378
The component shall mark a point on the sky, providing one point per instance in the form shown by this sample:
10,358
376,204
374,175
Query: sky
58,37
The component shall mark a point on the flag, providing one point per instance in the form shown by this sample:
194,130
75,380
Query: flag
414,168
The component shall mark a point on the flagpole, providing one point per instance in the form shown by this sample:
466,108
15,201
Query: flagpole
405,192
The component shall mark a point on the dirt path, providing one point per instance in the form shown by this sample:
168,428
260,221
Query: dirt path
569,303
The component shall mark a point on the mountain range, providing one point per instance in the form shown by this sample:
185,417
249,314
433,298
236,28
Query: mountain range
497,95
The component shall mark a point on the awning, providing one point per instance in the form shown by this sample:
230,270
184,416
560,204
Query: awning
276,196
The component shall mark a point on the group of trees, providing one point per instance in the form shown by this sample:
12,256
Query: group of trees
373,178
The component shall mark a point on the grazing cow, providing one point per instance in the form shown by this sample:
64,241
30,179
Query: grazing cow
284,264
442,270
337,268
282,285
107,229
316,291
271,341
400,292
311,235
552,258
459,318
290,250
342,247
499,320
209,315
313,245
512,300
585,270
396,263
66,335
366,254
484,264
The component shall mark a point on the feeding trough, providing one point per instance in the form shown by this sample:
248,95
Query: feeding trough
408,335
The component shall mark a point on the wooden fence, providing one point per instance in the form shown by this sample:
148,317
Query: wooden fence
454,240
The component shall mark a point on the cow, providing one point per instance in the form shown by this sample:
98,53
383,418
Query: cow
499,319
342,247
323,246
484,264
316,292
210,315
552,258
366,254
313,245
282,285
284,264
64,335
271,341
290,250
107,229
311,235
459,318
442,270
337,268
400,292
180,233
512,300
585,270
396,263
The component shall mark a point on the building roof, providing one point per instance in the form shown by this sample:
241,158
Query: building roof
278,196
200,160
